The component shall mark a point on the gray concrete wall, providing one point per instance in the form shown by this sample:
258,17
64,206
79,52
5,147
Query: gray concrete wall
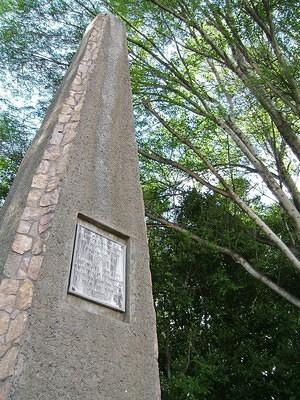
72,348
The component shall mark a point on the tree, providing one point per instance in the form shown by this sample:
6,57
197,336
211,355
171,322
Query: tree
220,79
14,138
220,336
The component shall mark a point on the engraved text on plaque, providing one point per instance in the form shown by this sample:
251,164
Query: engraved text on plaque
99,267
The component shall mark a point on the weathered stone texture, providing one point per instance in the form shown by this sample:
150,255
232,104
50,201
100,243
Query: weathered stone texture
83,161
4,322
7,363
24,295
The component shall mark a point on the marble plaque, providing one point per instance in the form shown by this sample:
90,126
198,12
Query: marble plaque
99,267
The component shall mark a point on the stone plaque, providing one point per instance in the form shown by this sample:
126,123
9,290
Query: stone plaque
99,267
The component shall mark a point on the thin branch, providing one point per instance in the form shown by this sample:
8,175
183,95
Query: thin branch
87,9
158,158
234,255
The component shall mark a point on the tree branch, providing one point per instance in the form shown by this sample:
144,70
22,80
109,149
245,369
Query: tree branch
234,255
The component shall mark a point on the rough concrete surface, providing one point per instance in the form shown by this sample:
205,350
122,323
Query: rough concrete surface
82,164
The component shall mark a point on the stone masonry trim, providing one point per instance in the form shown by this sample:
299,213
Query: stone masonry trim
27,252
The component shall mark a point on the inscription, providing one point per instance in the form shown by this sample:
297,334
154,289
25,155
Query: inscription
98,268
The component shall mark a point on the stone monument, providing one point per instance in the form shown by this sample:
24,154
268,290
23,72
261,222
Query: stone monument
76,310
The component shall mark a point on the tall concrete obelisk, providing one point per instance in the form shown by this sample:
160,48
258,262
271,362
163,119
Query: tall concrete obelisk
76,310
